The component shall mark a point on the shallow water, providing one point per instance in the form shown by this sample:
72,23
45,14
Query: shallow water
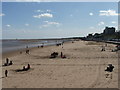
12,45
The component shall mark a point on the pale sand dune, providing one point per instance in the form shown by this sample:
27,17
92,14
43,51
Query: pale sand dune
83,68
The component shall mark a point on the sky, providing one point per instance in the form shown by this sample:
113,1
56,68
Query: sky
38,20
60,0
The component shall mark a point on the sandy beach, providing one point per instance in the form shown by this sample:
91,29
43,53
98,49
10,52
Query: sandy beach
83,67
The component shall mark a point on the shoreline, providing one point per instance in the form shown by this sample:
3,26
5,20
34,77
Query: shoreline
16,52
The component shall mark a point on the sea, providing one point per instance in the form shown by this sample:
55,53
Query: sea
8,45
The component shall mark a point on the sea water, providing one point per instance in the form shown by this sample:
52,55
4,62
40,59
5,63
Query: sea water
12,45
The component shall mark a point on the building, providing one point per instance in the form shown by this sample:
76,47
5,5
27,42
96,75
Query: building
109,30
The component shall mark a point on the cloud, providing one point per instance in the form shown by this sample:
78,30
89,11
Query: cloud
43,11
91,14
92,27
48,24
44,26
48,10
8,25
48,15
2,14
108,13
113,22
52,23
39,11
26,24
101,23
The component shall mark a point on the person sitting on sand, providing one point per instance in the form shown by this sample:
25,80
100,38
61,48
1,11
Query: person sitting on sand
24,68
63,56
109,68
28,67
54,55
27,51
5,64
103,48
10,63
6,73
41,46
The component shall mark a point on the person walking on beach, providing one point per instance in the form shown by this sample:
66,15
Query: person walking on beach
6,72
61,54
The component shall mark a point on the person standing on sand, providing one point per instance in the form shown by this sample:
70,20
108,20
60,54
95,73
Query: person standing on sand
7,60
26,46
38,46
6,72
61,54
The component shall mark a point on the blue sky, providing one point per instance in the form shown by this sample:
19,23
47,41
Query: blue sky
56,19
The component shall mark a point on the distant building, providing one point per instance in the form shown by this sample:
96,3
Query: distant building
109,30
90,35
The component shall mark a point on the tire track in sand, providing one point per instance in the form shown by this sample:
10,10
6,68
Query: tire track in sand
96,81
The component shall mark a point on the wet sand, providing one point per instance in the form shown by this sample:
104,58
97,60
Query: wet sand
83,68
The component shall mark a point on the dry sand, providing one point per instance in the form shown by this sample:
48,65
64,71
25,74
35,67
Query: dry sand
83,68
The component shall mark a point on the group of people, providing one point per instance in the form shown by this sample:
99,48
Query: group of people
7,62
25,69
117,48
59,44
113,50
27,51
109,68
55,54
